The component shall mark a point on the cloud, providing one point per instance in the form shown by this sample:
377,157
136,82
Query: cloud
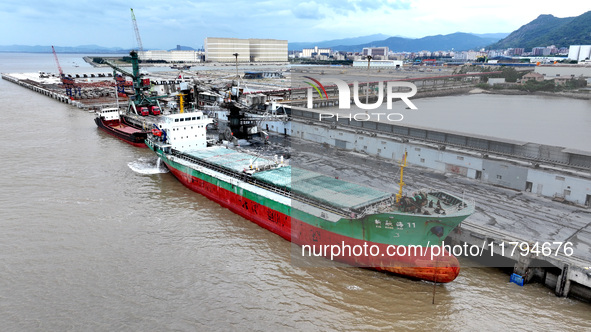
163,24
356,6
339,9
307,10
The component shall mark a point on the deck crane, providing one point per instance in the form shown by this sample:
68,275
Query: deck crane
67,82
137,33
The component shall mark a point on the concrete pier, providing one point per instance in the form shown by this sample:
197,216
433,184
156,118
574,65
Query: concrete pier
52,94
557,270
49,90
91,97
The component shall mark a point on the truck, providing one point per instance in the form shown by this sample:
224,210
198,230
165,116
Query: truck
143,111
154,110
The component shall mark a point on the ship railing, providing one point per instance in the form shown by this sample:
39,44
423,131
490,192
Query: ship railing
454,204
206,164
376,207
302,199
249,179
467,208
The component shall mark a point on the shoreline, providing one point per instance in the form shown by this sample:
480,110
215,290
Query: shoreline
505,92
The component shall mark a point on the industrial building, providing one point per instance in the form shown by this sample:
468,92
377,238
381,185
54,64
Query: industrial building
311,52
564,71
381,52
579,52
171,56
248,50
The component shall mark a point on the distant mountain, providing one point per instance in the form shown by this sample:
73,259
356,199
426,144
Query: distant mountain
62,49
330,43
497,35
183,48
458,41
548,30
73,49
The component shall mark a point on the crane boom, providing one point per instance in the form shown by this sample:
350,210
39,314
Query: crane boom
119,69
58,63
71,87
140,86
137,33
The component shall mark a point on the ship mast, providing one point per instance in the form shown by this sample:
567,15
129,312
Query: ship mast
401,183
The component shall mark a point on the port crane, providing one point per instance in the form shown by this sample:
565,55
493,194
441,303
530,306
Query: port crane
137,33
67,82
141,86
58,63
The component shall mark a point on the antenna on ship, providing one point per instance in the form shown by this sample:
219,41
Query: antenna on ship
401,183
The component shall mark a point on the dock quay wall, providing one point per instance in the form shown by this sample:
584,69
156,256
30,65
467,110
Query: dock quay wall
54,95
565,275
549,171
333,101
87,102
298,97
427,86
484,164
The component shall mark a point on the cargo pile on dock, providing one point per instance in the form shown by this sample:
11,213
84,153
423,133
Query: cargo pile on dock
92,94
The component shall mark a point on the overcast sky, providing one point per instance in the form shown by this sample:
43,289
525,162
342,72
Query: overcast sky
165,23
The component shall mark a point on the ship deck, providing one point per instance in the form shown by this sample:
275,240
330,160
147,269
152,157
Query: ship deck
229,159
322,188
312,185
126,129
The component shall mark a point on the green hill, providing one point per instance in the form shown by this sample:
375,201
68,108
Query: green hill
548,30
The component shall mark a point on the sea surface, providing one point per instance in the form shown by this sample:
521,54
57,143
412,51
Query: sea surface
548,120
95,236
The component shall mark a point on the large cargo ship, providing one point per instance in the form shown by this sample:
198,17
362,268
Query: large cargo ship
317,212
